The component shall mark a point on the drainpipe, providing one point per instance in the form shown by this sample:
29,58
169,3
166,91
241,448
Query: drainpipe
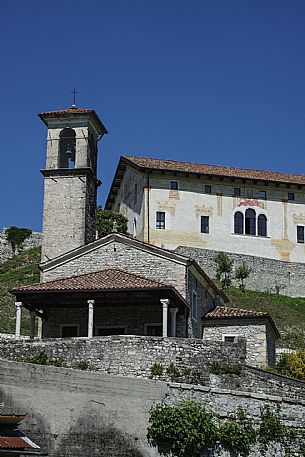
148,205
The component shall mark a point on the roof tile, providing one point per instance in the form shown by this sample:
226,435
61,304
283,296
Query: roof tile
222,312
110,279
217,170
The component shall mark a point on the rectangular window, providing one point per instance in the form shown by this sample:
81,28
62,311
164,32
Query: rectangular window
204,224
153,329
236,191
67,331
174,185
262,194
194,306
207,189
249,193
291,196
160,220
300,234
229,338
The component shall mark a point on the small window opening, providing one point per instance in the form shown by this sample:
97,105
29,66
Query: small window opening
229,339
262,225
205,224
300,234
249,192
207,189
67,144
262,194
174,185
250,222
236,191
238,223
291,196
160,220
194,306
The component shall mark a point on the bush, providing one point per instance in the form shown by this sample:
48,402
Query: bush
222,368
16,236
292,365
156,370
40,358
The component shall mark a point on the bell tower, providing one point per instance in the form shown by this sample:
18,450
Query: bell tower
70,181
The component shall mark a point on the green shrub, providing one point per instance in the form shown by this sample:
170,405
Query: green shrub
82,365
173,373
237,434
40,358
156,370
16,236
292,365
222,368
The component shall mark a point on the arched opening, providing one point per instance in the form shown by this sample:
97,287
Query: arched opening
67,144
262,225
250,222
238,223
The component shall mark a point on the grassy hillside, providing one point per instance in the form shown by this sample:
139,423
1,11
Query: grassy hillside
21,270
288,313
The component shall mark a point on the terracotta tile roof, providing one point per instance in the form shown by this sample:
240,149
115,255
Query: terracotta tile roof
110,279
222,312
216,170
65,112
14,442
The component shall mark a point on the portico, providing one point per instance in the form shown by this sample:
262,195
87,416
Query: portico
103,303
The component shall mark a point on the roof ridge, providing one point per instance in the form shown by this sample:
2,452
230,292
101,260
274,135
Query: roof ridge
228,167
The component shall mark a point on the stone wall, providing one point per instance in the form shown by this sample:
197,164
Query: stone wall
131,355
6,251
266,274
85,414
260,341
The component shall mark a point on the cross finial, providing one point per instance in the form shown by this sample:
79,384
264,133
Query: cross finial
74,92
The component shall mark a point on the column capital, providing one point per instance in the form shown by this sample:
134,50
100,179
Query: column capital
173,310
164,302
91,303
18,304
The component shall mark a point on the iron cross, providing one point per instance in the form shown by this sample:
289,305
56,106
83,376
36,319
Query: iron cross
74,92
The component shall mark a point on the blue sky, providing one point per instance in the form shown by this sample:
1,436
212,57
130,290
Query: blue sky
220,82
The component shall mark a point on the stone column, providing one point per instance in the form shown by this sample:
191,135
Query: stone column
18,319
32,324
39,327
173,312
165,304
90,317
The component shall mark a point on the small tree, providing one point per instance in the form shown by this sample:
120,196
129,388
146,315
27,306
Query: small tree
242,273
224,269
105,220
16,236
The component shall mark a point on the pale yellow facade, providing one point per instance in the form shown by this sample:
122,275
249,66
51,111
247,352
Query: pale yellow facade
142,195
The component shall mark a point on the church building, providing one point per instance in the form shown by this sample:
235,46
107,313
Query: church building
129,284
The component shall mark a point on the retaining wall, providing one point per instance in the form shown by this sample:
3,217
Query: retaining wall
266,274
131,355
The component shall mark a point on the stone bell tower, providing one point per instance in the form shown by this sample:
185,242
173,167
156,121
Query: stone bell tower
70,181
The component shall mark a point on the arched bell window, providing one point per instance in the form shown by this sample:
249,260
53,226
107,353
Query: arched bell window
250,222
238,223
262,225
67,144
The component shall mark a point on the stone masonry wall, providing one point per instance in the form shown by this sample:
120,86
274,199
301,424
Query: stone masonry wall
257,353
97,415
120,255
6,251
266,274
130,355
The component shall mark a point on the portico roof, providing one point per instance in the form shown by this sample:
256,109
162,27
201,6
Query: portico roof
104,281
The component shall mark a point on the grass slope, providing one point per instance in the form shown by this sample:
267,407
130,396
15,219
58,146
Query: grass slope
288,313
21,270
